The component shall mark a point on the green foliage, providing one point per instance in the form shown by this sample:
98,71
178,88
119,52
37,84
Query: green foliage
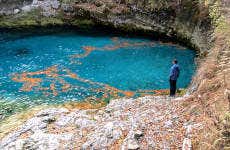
181,92
32,18
67,1
83,23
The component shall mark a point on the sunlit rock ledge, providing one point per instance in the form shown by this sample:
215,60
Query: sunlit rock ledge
146,123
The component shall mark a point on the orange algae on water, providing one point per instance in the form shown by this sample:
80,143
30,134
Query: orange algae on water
129,93
52,88
29,83
52,73
71,74
55,75
87,51
110,47
115,39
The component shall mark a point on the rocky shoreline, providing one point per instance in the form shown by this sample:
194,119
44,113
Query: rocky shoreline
145,123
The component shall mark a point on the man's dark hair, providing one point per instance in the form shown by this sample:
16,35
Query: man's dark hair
175,61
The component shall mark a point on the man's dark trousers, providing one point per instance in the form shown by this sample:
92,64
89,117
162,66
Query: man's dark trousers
172,87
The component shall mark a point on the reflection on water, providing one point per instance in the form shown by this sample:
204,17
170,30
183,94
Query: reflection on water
63,67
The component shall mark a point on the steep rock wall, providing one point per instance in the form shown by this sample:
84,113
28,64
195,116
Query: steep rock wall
186,20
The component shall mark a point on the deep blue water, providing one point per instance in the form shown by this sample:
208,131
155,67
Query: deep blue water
67,66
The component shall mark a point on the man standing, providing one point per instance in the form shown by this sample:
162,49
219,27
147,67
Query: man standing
174,74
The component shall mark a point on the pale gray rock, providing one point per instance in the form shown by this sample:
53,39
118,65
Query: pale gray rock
52,111
34,124
67,8
6,141
16,11
187,144
86,145
27,8
64,120
84,122
19,144
99,129
168,124
109,129
49,141
55,4
132,144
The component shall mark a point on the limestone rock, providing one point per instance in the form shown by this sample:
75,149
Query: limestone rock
132,144
84,122
27,8
16,11
64,120
187,144
136,121
168,124
52,111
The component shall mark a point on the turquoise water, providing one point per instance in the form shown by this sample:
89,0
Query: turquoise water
59,67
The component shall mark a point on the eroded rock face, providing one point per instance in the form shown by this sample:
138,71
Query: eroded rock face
13,6
47,8
181,19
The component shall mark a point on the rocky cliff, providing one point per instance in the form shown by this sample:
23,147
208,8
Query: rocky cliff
200,120
188,21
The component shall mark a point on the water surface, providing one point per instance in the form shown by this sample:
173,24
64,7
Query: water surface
60,67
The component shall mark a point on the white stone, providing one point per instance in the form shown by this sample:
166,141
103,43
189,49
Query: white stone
109,129
168,124
52,111
132,144
65,120
27,8
19,144
187,144
49,141
83,122
55,4
16,11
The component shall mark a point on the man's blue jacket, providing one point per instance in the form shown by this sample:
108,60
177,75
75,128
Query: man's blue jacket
174,72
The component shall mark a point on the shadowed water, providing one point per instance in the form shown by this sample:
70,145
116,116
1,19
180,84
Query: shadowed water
59,67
